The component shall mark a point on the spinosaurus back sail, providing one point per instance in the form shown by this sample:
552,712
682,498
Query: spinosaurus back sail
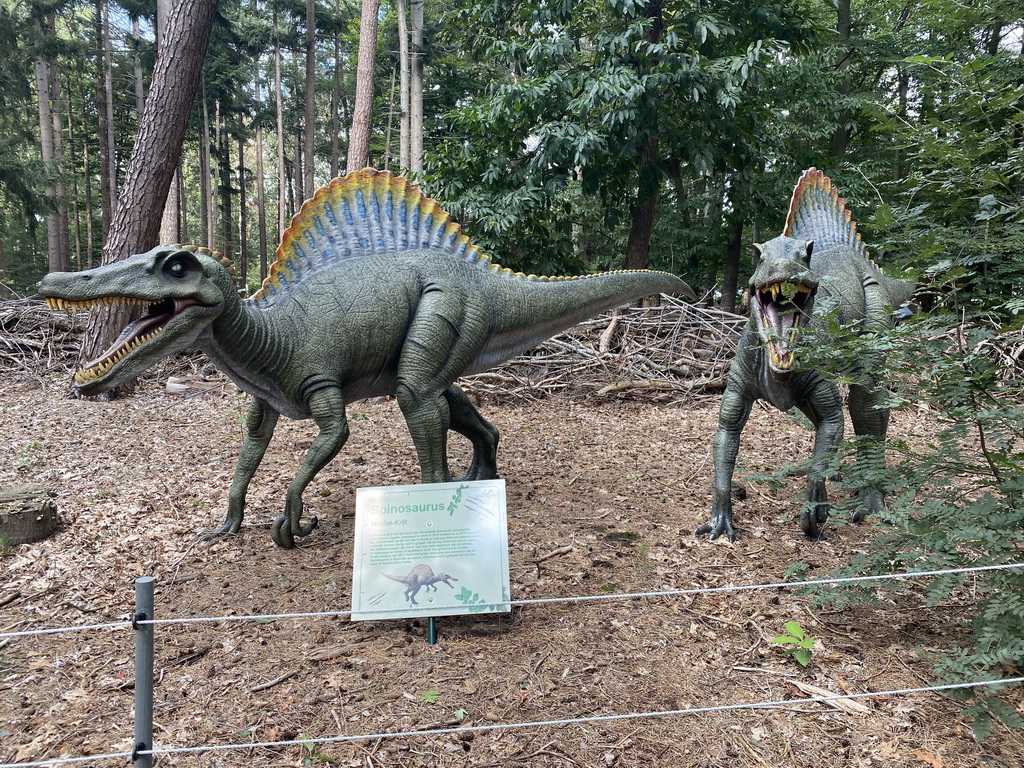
818,213
368,212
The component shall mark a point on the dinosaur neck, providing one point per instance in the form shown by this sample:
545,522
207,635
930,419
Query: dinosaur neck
248,346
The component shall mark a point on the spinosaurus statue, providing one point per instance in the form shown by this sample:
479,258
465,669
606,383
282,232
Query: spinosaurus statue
374,291
817,269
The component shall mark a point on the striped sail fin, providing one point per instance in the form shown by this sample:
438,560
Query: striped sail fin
367,212
818,213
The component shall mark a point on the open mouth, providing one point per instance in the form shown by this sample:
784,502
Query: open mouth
139,332
780,306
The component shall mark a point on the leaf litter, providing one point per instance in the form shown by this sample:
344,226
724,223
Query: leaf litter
602,496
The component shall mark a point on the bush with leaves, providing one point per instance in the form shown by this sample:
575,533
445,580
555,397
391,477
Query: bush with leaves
956,498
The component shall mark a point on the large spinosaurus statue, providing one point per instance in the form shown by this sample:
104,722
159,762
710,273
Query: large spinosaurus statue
374,291
817,269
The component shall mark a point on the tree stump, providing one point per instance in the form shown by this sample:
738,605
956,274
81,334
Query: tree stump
27,513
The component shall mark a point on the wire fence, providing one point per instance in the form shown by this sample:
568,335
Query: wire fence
143,753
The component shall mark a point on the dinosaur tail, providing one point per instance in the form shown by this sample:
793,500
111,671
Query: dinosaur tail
535,309
817,212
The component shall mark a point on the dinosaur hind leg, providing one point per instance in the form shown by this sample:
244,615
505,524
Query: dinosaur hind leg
328,409
443,339
467,421
824,408
870,421
260,424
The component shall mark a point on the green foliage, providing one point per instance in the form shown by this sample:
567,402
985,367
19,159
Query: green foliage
955,496
429,697
801,644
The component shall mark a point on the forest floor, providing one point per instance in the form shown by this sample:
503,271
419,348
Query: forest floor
602,499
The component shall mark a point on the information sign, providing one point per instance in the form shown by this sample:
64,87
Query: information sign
437,549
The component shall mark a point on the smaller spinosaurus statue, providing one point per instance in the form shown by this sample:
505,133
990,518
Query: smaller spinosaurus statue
817,268
375,291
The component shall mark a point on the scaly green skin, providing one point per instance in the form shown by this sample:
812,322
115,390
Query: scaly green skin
406,324
795,285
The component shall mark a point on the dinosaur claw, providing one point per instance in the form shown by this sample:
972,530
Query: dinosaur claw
715,528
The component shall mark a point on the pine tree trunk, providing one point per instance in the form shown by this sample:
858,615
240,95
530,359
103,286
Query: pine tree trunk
170,223
243,229
111,190
282,220
310,131
261,202
403,87
416,86
731,271
205,220
362,111
42,71
136,220
336,103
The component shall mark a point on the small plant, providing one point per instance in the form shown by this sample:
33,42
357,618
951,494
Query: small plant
801,643
5,546
313,755
24,455
429,697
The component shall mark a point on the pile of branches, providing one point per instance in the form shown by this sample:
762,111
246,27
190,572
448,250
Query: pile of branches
663,353
34,341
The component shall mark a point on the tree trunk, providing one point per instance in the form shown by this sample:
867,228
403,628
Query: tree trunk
841,135
416,86
639,244
403,87
205,219
243,229
170,223
282,220
157,147
310,132
731,271
56,253
362,112
336,102
107,138
140,91
261,202
225,215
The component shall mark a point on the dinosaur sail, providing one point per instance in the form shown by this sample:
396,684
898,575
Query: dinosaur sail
368,212
818,213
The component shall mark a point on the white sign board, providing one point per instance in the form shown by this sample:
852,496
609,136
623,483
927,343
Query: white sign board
438,549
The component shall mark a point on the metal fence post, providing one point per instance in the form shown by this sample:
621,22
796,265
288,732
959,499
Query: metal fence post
143,672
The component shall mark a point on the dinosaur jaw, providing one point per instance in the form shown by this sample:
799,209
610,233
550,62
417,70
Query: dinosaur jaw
168,326
779,308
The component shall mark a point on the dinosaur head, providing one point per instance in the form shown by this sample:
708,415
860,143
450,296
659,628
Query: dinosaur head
182,290
782,291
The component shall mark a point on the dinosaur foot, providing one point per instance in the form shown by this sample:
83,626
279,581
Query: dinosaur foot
282,533
812,519
228,529
716,526
869,503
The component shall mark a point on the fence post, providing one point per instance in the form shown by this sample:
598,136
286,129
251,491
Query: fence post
143,672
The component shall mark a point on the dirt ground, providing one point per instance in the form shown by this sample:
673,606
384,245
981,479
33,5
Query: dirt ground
602,498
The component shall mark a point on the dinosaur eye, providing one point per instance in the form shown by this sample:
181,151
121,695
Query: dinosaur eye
176,268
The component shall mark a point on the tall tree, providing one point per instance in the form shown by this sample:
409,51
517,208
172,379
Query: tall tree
309,135
154,157
362,110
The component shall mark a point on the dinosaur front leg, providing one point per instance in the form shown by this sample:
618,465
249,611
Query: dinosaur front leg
328,409
870,420
467,421
260,424
823,406
732,417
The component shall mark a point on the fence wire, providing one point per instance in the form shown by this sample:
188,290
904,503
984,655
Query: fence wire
309,741
530,601
532,724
